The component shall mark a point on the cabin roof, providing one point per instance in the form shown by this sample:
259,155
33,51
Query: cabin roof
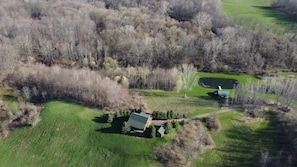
138,120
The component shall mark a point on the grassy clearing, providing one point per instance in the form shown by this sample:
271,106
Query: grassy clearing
202,92
241,143
254,9
197,102
68,136
176,102
252,12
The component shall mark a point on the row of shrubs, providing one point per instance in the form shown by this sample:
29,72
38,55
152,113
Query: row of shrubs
169,125
122,117
151,131
158,115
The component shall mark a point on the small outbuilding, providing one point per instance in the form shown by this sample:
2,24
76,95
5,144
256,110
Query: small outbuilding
161,131
140,121
221,93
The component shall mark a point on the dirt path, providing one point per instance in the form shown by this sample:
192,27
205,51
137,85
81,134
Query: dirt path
214,112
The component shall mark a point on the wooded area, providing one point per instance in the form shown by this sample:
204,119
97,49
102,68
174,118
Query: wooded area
153,34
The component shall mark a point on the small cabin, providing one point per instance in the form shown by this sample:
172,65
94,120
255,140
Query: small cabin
140,121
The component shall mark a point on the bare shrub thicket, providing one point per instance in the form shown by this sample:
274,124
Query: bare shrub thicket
282,92
188,142
283,89
4,111
141,77
188,77
40,83
289,7
144,78
212,123
25,114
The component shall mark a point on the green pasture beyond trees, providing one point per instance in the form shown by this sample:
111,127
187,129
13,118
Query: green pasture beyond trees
253,13
67,135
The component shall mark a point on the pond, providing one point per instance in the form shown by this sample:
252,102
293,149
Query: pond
216,82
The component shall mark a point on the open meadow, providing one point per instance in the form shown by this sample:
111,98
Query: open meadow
76,77
197,102
257,15
241,142
69,135
73,135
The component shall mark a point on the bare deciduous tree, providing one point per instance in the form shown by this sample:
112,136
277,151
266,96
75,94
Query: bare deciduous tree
188,77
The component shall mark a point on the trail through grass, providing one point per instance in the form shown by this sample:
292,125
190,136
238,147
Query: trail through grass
68,136
241,143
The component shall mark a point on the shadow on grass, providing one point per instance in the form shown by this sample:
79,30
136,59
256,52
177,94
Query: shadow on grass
101,119
271,12
9,98
248,145
114,127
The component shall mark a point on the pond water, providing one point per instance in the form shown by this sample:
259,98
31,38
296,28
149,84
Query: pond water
216,82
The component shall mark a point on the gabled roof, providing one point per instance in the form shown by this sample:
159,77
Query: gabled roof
224,93
138,120
161,130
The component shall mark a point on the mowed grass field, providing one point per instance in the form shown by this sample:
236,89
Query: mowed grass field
256,9
68,135
73,135
197,101
240,142
258,15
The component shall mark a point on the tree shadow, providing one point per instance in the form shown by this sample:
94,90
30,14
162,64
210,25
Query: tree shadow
116,125
101,119
279,16
248,145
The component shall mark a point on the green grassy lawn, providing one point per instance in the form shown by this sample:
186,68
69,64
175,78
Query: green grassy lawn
73,135
252,12
168,101
197,102
240,143
67,135
198,91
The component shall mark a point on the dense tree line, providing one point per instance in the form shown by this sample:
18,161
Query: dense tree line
282,91
142,77
39,83
157,115
136,33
